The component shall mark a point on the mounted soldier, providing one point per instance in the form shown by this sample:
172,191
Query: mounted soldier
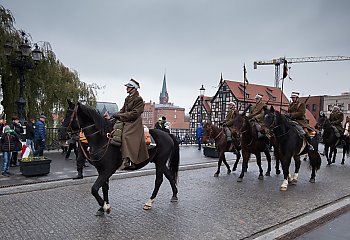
228,123
256,114
296,112
336,118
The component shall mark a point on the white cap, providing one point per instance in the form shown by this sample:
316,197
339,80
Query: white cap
294,94
232,103
259,96
133,84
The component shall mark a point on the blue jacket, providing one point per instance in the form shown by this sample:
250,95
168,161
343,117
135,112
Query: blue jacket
199,132
40,131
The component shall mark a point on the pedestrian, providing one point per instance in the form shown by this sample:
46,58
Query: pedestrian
2,124
199,135
17,127
159,124
7,147
72,145
134,148
83,154
30,134
40,136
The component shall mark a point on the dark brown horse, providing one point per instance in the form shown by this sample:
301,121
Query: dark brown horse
251,144
218,134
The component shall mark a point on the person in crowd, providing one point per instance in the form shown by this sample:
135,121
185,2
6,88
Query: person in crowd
7,147
40,136
30,134
336,118
199,135
17,127
159,124
296,112
83,154
134,149
2,124
72,145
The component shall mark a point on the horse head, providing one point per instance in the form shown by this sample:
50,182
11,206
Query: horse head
210,132
322,122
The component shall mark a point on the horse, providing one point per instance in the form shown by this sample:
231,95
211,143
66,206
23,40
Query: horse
289,144
107,158
218,134
330,140
251,144
346,144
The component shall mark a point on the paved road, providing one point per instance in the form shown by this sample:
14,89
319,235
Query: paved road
208,207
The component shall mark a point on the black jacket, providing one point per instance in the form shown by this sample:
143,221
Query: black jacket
8,142
29,131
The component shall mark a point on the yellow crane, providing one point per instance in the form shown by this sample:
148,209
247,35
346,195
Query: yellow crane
277,62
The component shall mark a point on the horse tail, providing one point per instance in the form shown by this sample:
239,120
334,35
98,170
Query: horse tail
315,159
174,161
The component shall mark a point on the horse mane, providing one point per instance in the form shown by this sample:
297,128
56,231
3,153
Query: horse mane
99,121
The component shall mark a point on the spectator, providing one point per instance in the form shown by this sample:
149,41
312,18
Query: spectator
40,136
7,147
17,127
199,135
2,124
72,144
83,154
30,134
159,124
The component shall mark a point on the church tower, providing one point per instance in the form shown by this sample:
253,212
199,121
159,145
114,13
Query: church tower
164,97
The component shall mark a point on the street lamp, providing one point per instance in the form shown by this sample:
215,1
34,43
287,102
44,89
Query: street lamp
201,94
22,59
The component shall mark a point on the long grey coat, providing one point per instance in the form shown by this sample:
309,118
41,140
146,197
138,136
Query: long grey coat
133,140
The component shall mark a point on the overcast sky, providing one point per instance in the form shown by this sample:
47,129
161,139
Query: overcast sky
108,42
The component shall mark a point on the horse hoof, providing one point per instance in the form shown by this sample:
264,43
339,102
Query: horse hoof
283,189
239,179
229,172
312,180
147,207
108,210
234,169
174,199
261,177
216,175
99,213
342,163
333,161
294,182
267,174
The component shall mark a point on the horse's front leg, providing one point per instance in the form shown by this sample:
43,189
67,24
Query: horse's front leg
285,161
104,206
172,181
158,183
221,156
258,161
226,164
246,155
326,153
238,156
277,159
268,159
334,153
294,179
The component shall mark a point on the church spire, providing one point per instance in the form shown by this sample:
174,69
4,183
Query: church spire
164,97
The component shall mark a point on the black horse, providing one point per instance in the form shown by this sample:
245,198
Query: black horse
290,144
107,158
251,144
330,140
218,134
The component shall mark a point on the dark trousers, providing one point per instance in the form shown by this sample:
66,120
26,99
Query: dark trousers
14,158
83,147
40,150
199,143
70,147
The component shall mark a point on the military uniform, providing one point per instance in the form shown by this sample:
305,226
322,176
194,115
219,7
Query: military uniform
257,112
336,119
297,112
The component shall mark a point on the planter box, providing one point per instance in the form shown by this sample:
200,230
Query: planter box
210,152
35,167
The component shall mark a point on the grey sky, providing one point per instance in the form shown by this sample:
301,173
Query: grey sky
110,41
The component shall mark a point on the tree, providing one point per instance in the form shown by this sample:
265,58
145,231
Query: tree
48,85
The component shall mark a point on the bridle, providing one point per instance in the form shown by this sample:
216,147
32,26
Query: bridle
210,135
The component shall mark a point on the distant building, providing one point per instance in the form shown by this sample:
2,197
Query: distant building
109,107
175,115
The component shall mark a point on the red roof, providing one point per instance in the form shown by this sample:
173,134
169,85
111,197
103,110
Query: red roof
252,90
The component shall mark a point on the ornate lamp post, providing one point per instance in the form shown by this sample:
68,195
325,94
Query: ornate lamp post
22,59
201,94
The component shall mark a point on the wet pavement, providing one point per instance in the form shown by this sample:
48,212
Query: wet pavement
208,207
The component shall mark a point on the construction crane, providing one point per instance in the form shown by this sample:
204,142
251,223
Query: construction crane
277,62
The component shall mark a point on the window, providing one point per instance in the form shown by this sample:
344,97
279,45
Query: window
329,108
314,107
307,106
349,106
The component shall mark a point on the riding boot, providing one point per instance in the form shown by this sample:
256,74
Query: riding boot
128,164
80,175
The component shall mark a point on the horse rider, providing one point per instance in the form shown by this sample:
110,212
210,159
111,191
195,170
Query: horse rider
134,148
296,112
336,118
347,127
228,123
256,114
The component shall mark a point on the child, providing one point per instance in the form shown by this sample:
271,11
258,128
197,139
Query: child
7,147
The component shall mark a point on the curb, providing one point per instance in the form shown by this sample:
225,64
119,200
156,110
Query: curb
118,175
308,221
